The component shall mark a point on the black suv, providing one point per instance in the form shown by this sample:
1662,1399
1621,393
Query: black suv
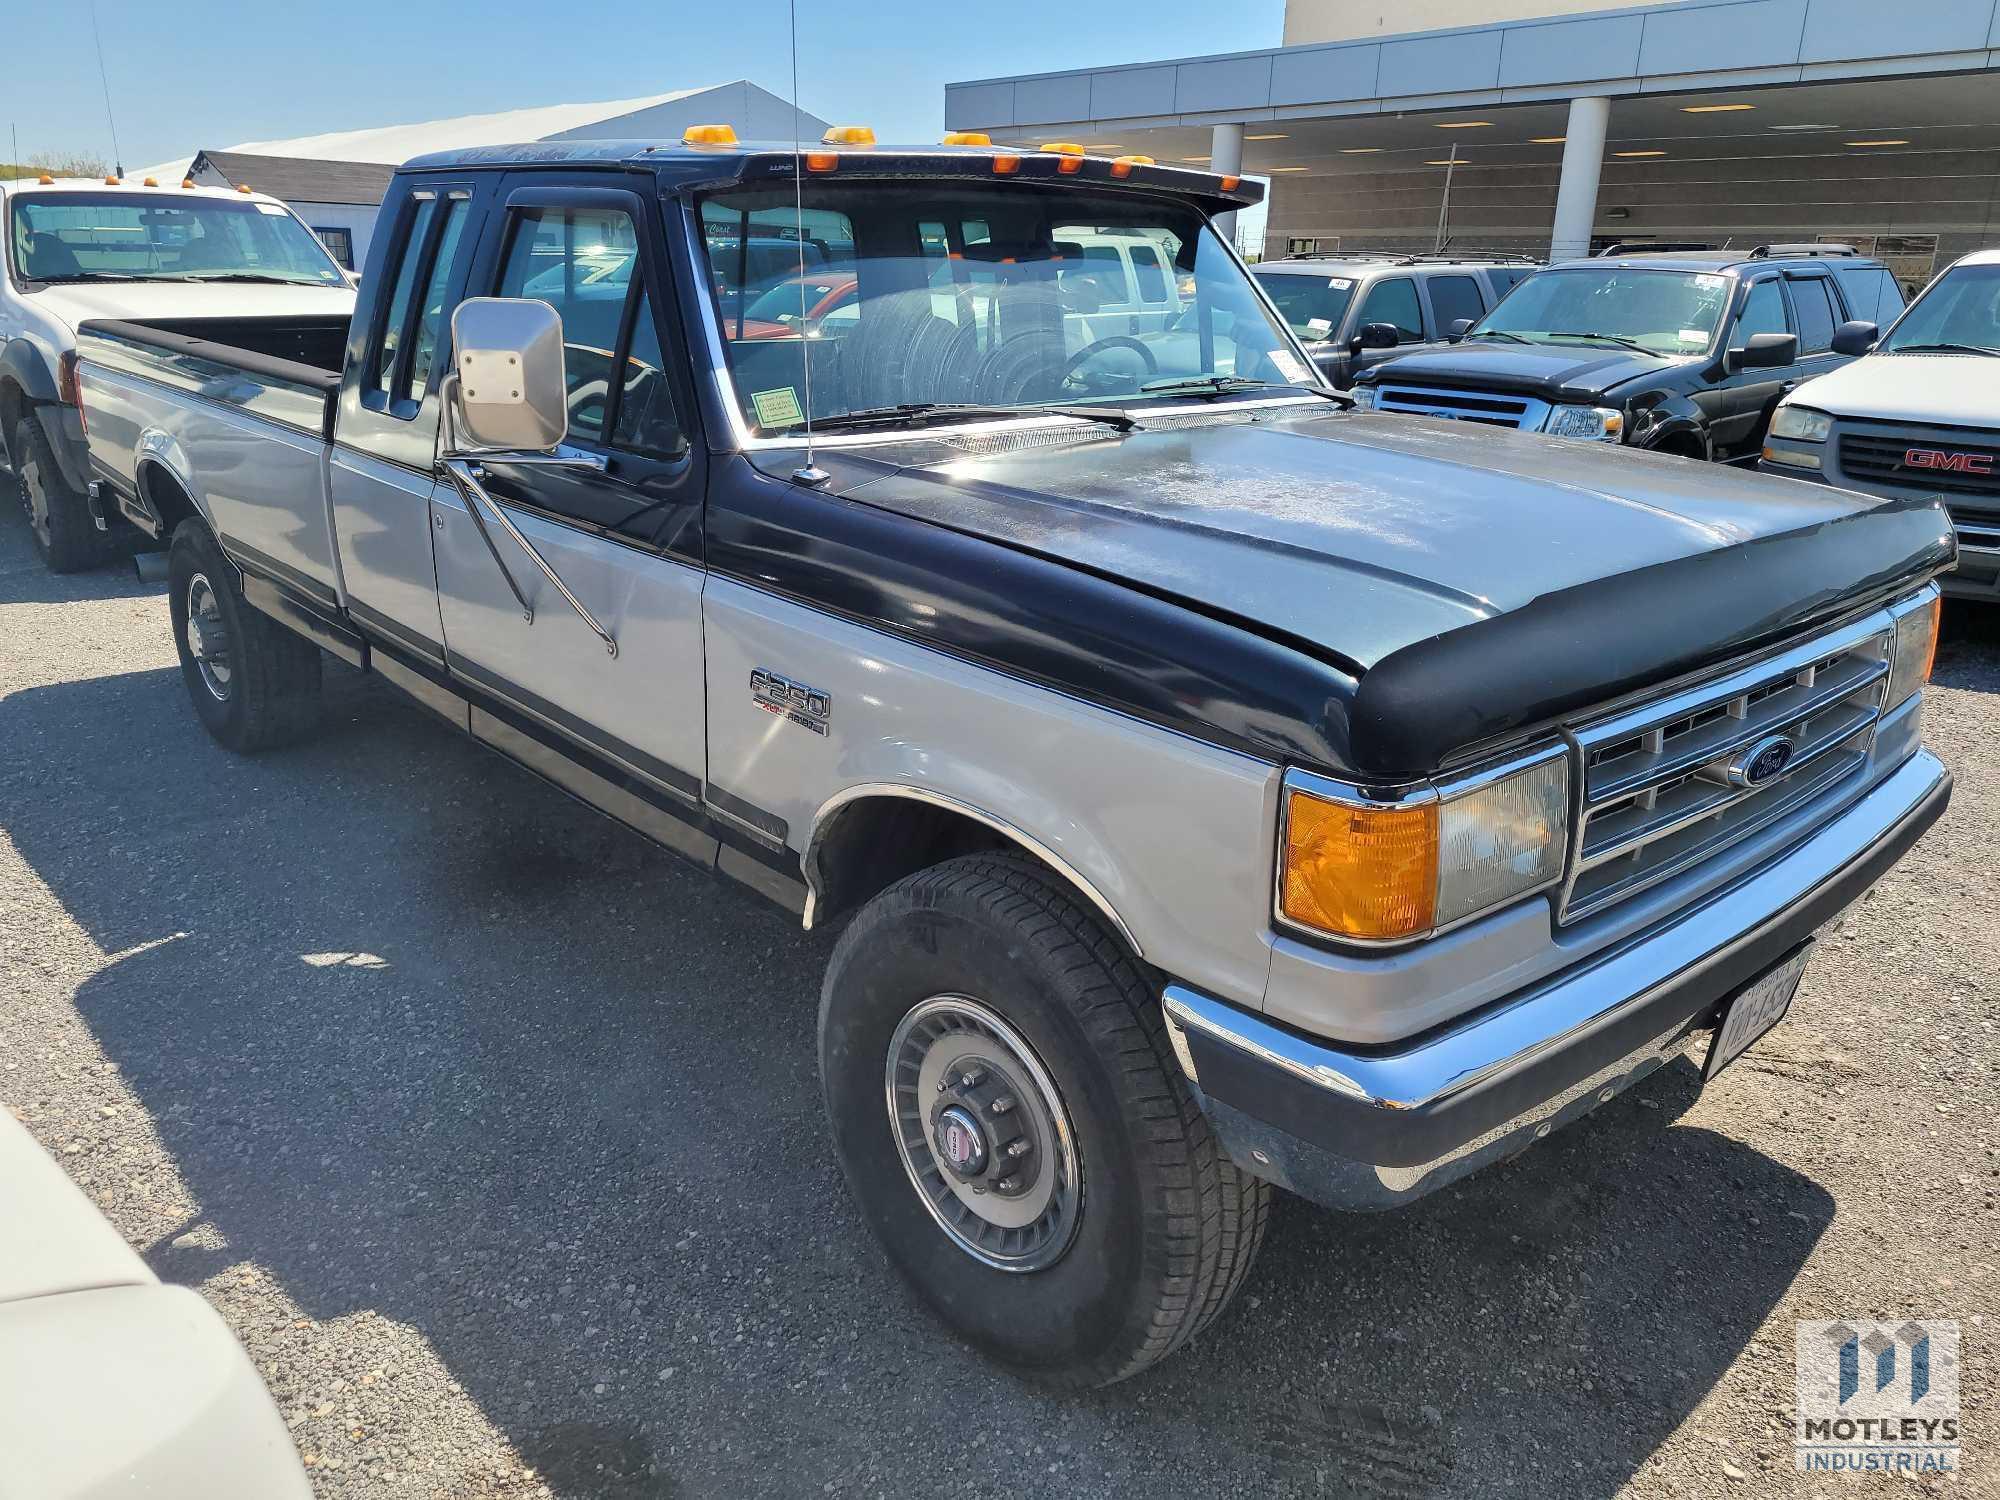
1685,352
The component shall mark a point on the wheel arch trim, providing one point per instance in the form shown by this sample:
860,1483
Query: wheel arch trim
863,791
158,448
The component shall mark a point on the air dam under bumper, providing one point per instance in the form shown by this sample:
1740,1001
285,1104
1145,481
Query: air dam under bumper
1376,1127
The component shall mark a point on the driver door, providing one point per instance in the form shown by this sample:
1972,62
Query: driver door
1744,399
624,537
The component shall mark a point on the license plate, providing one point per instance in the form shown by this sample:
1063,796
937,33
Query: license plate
1758,1007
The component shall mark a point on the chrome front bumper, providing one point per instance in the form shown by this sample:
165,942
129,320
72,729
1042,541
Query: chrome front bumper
1378,1126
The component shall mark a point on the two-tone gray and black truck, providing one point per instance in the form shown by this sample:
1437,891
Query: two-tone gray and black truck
1220,788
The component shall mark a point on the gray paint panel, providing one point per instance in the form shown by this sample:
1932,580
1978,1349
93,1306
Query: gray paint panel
1175,835
1455,62
1125,93
1571,51
1311,75
1041,100
1229,83
382,513
967,105
1840,30
1764,33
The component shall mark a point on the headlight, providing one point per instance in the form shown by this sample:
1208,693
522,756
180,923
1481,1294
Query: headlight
1801,424
1387,872
1592,424
1915,647
1364,397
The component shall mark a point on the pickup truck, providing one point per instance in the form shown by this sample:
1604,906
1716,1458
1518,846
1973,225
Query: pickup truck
1919,414
1218,788
1685,352
78,248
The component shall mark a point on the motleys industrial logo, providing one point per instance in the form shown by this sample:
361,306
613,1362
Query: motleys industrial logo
1878,1397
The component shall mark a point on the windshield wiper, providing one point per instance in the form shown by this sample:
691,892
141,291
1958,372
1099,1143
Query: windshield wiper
1944,349
1610,338
918,411
1203,385
94,276
1497,333
261,277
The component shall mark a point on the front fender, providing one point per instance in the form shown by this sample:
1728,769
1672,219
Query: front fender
1659,419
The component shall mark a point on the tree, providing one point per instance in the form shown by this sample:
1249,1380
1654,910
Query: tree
68,164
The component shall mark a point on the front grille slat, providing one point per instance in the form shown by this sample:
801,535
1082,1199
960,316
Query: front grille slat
1880,455
1486,408
1658,797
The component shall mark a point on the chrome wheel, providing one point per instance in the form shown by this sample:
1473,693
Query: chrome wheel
34,495
983,1134
208,637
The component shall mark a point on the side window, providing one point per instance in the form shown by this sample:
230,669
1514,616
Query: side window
1809,300
411,251
1103,266
584,262
580,262
431,311
1395,301
1763,312
1152,279
1872,294
1455,297
1505,277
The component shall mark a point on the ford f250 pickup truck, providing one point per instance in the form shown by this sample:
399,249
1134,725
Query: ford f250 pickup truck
1219,788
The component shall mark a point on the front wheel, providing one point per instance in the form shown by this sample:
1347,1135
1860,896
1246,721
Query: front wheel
58,516
1010,1120
254,684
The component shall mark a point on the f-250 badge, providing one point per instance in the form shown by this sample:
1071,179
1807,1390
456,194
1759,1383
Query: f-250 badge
806,707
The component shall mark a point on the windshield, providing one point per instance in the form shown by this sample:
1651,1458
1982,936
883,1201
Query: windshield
988,295
1660,312
1312,305
123,236
1962,307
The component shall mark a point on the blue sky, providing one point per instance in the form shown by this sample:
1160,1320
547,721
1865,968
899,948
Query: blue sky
189,75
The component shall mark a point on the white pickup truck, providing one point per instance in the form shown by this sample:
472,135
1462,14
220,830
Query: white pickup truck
1918,415
81,248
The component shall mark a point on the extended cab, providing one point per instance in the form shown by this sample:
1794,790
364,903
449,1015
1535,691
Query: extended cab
1919,415
1683,352
1218,788
77,249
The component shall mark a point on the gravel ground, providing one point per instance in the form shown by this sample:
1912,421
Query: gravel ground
495,1136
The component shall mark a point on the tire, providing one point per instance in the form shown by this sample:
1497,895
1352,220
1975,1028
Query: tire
1161,1227
254,684
58,517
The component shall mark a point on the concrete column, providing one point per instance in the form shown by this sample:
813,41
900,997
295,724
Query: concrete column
1225,156
1583,159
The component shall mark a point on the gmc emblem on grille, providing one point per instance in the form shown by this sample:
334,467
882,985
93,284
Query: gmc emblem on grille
1949,463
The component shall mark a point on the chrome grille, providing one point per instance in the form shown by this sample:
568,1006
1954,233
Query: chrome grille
1658,793
1489,408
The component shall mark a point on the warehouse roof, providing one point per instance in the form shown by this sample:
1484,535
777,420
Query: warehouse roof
300,179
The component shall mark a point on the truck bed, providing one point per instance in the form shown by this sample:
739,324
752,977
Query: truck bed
235,412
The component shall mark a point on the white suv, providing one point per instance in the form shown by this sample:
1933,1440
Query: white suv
81,248
1919,415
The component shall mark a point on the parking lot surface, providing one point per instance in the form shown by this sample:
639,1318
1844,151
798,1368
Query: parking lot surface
494,1134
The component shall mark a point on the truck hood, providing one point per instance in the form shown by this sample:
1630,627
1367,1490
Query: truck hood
1366,539
77,302
1957,390
1555,372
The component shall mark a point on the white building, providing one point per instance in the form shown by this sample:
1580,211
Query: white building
328,178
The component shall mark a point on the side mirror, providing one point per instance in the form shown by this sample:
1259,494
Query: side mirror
508,391
1855,338
1765,351
1374,336
1460,327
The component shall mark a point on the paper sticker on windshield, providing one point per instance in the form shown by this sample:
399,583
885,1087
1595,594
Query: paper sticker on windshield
1339,283
778,408
275,210
1288,365
1708,283
1319,328
1693,336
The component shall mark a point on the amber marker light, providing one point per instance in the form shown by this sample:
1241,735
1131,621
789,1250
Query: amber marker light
1124,165
1231,184
1359,872
966,138
850,135
1006,165
708,135
822,161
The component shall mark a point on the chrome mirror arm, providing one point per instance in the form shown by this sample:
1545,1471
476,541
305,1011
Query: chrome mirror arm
470,491
466,476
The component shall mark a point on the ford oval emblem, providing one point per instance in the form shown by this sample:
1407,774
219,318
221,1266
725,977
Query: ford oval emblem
1763,761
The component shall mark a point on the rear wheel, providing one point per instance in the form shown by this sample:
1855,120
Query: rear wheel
1011,1122
254,684
58,517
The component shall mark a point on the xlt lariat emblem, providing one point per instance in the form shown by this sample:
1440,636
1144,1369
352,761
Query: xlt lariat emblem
807,707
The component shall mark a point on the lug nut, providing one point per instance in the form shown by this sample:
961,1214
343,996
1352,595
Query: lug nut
1004,1103
1020,1148
972,1079
1007,1184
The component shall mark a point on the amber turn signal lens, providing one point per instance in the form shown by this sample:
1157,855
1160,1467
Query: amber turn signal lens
1930,644
822,161
1360,872
1006,166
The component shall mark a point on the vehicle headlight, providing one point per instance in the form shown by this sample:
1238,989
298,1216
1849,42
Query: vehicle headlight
1364,397
1387,872
1592,424
1801,424
1915,647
